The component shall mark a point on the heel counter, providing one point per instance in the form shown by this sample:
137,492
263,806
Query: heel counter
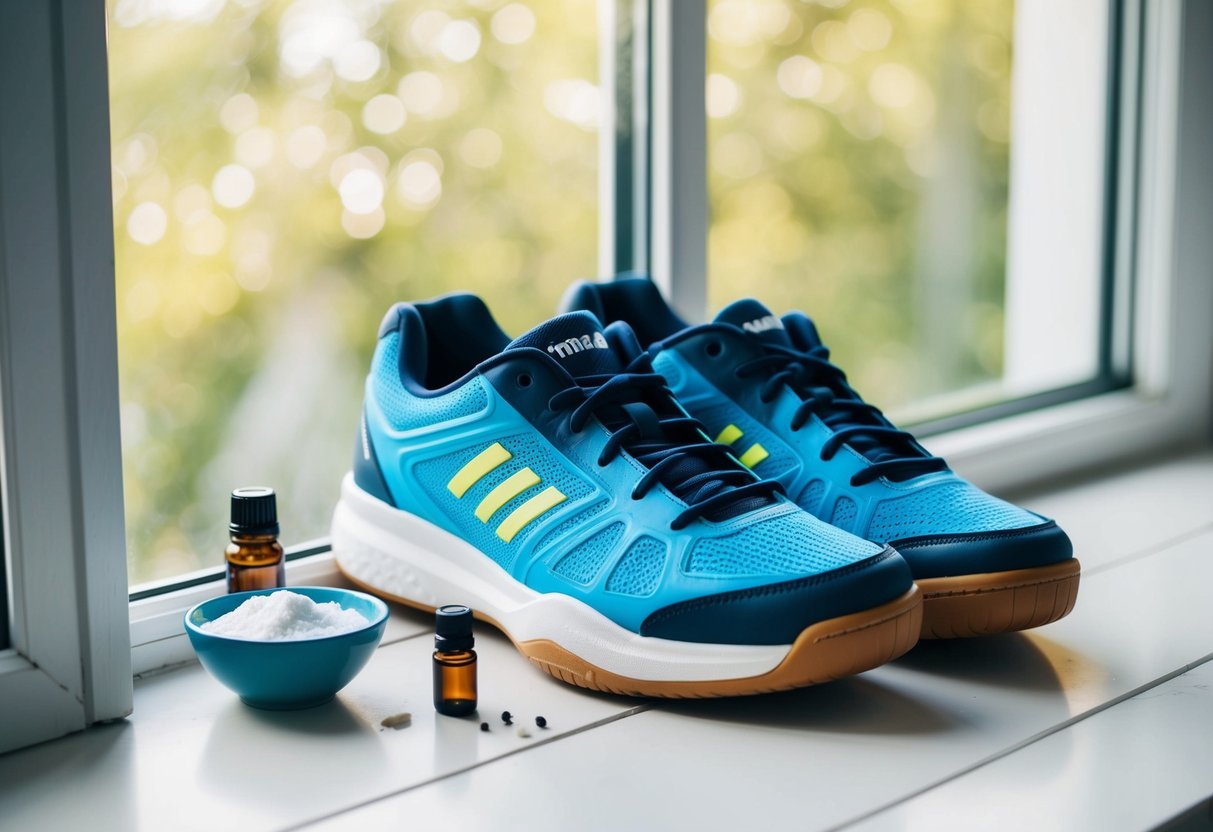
367,474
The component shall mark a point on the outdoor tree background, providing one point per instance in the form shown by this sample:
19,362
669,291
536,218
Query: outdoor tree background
285,170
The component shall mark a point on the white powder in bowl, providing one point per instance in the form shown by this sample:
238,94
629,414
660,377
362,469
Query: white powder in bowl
285,616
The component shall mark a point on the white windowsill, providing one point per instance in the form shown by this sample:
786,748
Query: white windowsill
937,727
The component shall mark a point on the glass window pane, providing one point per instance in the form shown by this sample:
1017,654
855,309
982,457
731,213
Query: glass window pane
283,171
924,179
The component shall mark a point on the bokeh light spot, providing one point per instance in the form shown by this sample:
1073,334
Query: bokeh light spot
384,114
147,223
722,96
427,27
893,85
419,183
421,93
311,33
573,100
799,77
513,24
239,113
136,154
747,22
233,186
459,41
869,29
361,191
255,147
131,13
363,226
305,146
359,61
832,42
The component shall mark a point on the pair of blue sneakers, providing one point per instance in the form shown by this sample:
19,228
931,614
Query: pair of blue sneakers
655,508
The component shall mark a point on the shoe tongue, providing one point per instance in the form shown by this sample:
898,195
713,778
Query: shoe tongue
577,343
801,330
755,319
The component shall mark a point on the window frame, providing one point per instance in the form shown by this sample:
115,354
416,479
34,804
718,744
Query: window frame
1159,260
1161,248
64,535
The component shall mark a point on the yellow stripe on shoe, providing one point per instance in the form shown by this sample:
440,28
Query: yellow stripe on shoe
729,435
753,456
476,468
528,511
517,483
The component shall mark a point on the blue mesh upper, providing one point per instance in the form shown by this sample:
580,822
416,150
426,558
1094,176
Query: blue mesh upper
794,543
639,570
951,507
844,514
810,497
584,560
566,526
878,510
434,474
405,411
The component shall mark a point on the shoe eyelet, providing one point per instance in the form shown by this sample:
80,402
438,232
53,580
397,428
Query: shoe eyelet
713,349
524,380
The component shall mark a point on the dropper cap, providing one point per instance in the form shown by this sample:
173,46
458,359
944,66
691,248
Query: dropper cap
453,628
254,511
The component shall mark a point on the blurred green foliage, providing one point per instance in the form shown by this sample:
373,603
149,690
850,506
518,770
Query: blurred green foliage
858,171
284,170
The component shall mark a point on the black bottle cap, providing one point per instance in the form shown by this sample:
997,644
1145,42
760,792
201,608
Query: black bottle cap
254,511
453,628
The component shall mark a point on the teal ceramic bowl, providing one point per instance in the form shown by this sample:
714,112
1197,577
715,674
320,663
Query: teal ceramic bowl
285,675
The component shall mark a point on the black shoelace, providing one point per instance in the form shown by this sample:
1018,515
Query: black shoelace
823,388
672,447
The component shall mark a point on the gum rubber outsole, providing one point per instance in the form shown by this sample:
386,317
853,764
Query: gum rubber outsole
823,652
998,602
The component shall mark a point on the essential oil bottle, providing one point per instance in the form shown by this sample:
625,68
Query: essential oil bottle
254,557
454,661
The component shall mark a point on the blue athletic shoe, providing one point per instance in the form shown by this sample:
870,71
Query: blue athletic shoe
553,484
764,386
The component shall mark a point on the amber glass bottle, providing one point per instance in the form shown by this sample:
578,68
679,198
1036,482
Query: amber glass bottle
454,661
254,557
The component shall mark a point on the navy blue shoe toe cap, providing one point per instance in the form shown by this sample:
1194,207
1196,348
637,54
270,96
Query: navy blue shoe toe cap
1005,550
778,613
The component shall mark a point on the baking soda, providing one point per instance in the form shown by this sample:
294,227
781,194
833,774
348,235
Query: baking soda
285,616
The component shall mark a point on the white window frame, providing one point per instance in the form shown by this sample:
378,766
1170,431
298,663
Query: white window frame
64,537
1162,256
62,471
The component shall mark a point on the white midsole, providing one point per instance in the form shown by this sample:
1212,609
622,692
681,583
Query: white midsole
405,556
